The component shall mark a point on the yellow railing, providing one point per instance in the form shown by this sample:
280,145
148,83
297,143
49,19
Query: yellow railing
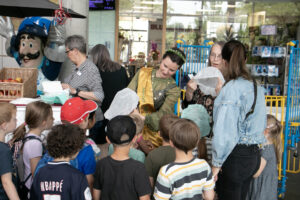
276,106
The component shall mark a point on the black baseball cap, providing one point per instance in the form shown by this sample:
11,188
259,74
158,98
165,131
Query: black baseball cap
119,126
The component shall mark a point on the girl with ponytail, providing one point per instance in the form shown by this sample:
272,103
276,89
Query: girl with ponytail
38,117
265,182
239,116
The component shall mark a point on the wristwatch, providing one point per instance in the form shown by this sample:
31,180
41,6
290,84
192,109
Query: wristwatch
77,92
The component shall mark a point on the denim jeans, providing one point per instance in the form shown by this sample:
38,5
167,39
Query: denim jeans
237,171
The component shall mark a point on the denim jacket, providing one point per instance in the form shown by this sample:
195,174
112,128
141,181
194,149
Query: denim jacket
230,126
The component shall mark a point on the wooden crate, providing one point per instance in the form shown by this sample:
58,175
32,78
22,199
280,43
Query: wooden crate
11,89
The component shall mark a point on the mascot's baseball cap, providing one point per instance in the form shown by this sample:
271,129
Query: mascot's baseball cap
75,110
121,129
36,26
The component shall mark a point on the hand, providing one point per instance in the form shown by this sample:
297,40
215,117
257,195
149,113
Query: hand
136,112
67,86
191,86
6,27
219,86
215,172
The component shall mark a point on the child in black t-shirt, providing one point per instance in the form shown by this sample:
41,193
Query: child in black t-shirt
117,176
58,179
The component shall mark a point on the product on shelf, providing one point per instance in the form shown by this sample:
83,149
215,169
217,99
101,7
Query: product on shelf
268,51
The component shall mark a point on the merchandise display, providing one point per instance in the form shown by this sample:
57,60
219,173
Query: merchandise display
268,68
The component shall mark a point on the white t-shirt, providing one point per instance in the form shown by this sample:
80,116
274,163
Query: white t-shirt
32,149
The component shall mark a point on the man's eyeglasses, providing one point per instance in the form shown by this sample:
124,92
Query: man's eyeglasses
68,51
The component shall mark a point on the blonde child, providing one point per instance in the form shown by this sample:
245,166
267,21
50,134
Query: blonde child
38,117
265,182
7,125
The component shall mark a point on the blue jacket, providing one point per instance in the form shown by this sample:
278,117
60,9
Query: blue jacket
230,127
84,162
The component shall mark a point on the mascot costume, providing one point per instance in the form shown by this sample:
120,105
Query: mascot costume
39,44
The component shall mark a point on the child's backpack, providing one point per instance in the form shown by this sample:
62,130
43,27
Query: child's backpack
18,164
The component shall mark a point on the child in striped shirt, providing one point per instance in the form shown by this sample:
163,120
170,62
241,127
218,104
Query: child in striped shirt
187,177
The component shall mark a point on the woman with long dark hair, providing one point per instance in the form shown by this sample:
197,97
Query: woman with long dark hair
114,78
239,116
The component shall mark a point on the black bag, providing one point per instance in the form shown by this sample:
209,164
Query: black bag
18,165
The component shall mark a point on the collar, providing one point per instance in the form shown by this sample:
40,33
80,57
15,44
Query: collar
81,66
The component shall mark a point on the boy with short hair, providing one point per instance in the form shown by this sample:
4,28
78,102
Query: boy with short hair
187,177
117,176
134,153
163,154
58,179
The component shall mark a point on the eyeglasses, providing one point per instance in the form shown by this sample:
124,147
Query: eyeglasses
68,51
215,56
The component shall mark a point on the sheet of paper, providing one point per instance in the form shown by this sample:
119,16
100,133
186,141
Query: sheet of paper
52,87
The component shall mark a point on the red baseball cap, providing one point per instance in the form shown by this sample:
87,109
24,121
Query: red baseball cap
75,110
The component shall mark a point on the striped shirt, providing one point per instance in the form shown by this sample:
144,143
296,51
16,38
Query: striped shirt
184,180
87,78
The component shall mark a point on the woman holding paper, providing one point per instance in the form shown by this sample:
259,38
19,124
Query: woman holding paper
157,92
194,95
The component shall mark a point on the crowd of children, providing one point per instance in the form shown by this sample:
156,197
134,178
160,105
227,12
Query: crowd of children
170,171
245,149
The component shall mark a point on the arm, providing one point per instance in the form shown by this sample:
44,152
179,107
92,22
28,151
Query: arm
149,168
215,172
151,181
226,116
262,166
145,197
33,164
208,194
96,194
83,94
162,187
90,180
9,187
172,96
88,95
208,188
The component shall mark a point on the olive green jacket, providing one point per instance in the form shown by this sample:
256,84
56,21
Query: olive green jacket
165,93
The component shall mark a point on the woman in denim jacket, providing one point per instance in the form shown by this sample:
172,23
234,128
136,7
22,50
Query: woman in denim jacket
237,135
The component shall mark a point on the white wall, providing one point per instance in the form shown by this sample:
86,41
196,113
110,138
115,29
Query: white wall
102,29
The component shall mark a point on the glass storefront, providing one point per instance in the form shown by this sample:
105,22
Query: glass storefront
141,23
